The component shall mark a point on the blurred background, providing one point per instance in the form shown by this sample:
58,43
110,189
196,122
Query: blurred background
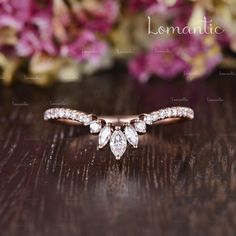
42,42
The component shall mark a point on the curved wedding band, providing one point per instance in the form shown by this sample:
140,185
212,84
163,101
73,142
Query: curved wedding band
119,129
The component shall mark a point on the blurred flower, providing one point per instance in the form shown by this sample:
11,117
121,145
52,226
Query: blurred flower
69,71
130,36
222,13
10,66
202,54
66,39
14,13
98,16
8,36
195,58
85,47
62,22
27,26
138,5
90,15
139,67
225,15
162,60
31,41
43,69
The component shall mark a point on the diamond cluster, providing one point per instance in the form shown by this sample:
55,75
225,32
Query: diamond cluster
118,136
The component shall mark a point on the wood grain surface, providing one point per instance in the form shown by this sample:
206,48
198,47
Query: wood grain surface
180,181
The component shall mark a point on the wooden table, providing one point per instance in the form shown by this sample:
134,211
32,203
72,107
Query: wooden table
180,181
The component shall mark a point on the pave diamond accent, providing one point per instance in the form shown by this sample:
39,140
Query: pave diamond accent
118,143
68,113
95,126
61,113
140,126
46,115
80,117
190,113
131,135
57,112
168,113
104,136
87,119
150,118
173,111
162,114
73,115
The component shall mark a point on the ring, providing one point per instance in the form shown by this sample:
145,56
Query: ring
119,130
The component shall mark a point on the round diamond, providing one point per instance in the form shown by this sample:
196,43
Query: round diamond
95,126
61,113
87,119
168,112
140,126
57,112
46,115
80,117
162,114
173,111
73,115
150,118
179,111
67,113
52,113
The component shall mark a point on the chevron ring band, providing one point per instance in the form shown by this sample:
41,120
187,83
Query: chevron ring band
119,130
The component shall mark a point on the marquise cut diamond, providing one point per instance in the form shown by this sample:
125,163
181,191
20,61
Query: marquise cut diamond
118,143
104,136
131,135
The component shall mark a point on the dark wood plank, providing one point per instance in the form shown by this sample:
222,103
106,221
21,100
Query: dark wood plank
180,181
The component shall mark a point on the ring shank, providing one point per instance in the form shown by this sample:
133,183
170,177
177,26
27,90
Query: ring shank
127,119
122,119
162,116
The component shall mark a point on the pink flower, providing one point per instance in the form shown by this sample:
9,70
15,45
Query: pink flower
138,67
33,24
31,41
85,47
162,60
202,54
99,19
195,56
15,13
139,5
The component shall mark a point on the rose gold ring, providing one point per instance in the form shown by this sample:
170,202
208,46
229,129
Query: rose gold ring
119,130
